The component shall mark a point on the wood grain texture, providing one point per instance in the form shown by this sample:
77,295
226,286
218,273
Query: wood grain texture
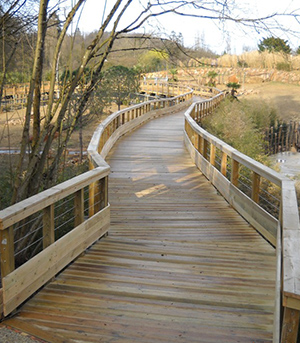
179,264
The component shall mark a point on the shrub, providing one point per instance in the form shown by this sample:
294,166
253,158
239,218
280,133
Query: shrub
241,125
283,66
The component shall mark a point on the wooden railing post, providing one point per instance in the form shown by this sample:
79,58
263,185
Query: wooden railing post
204,147
212,154
102,196
193,113
255,187
224,164
234,172
7,250
197,141
97,196
79,207
91,199
48,226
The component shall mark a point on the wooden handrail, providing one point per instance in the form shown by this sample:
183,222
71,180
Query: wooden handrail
117,124
286,225
282,231
20,283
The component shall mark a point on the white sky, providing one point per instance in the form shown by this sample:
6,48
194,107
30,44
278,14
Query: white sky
217,36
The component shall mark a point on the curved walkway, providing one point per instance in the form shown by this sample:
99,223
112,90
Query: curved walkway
179,264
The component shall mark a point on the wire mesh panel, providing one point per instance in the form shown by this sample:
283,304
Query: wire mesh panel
245,181
64,217
28,238
269,197
86,202
218,159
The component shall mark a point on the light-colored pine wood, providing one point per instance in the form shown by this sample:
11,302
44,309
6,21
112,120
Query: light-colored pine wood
48,226
234,173
291,239
265,223
224,164
20,284
248,162
7,250
38,202
290,325
79,207
288,221
255,187
179,264
212,154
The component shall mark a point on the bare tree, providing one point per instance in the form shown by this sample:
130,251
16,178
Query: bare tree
33,174
16,17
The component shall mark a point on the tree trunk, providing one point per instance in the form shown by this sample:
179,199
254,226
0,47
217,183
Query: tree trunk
36,74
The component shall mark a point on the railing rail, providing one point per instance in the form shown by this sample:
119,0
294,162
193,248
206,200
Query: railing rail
19,283
281,229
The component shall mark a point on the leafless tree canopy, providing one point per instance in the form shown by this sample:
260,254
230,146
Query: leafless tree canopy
48,26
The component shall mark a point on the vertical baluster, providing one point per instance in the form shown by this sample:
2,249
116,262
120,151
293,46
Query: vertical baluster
212,154
224,163
79,207
48,226
204,147
234,172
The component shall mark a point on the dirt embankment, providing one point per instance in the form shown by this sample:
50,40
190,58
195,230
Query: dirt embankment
285,98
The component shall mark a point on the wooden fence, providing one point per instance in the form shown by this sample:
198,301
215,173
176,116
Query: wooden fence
225,168
15,96
283,137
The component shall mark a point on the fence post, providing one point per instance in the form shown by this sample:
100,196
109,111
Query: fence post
212,154
79,207
91,199
204,147
102,196
290,325
7,250
48,226
197,142
234,172
224,163
255,187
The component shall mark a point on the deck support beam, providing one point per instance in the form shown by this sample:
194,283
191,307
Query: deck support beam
290,325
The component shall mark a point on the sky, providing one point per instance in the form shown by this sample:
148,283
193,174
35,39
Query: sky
216,35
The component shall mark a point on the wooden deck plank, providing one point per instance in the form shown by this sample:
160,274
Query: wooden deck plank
179,264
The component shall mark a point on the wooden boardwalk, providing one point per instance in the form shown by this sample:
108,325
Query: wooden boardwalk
179,264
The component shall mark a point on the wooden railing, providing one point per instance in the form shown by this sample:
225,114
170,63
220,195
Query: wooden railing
117,124
225,167
222,164
87,197
15,96
20,283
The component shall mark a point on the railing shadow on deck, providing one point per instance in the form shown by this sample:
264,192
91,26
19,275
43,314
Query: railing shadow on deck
91,208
